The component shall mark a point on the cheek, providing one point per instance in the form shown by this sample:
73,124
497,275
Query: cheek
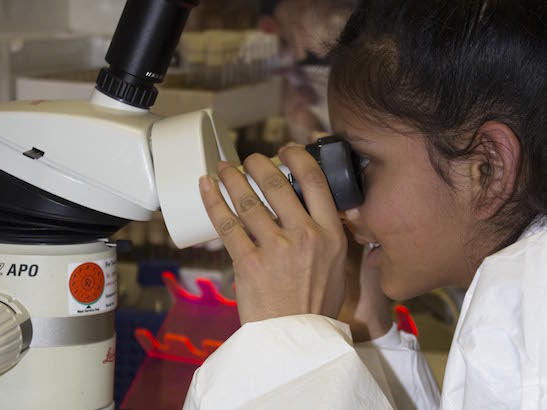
412,216
397,207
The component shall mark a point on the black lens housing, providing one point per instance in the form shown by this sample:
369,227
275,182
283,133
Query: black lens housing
142,47
342,168
30,215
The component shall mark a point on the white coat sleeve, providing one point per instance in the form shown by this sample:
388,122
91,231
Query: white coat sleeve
405,369
294,362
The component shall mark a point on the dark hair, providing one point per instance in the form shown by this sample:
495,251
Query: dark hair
448,66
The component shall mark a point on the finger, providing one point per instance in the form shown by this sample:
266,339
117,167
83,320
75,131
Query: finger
249,207
236,241
276,189
315,188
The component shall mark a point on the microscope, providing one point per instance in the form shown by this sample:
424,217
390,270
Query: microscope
73,173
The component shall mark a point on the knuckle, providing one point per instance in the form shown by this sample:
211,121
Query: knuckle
315,177
214,202
248,202
282,243
227,226
274,182
310,237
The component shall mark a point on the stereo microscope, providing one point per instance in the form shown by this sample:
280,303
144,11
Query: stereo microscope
73,173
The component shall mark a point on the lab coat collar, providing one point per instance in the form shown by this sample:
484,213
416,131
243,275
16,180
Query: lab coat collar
539,224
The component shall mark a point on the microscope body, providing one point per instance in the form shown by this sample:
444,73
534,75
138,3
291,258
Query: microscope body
94,153
58,283
72,174
57,334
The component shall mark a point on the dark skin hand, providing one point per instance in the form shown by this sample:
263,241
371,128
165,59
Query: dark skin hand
296,264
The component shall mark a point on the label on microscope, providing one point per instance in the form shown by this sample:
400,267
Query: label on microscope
92,287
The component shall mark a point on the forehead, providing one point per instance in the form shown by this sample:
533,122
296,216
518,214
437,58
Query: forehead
356,123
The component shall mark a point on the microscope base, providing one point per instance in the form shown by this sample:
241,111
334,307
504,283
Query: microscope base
67,353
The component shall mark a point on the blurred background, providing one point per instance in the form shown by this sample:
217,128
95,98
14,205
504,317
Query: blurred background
261,64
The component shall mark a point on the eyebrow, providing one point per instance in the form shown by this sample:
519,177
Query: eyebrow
355,138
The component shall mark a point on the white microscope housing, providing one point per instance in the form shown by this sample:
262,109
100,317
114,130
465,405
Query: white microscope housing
57,300
73,173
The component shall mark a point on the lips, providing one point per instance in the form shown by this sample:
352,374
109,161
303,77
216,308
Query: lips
374,250
373,256
362,240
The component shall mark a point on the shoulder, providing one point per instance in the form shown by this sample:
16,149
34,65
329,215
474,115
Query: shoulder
509,293
503,328
523,262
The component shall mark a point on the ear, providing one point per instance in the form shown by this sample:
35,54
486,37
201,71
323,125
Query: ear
494,168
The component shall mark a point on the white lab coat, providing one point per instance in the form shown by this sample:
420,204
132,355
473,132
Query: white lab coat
498,357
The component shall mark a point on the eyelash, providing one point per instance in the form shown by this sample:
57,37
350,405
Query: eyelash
363,162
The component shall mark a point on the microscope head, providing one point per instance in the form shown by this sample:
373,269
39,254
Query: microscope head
184,148
73,171
78,171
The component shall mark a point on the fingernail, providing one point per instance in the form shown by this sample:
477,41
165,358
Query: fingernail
222,164
284,147
205,183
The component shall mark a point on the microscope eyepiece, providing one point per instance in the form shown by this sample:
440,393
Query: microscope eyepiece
341,166
141,49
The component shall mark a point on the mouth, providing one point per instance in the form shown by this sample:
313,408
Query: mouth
373,254
361,240
373,250
373,245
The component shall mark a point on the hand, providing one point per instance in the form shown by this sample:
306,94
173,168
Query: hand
366,308
295,265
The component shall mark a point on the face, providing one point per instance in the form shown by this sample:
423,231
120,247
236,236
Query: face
421,224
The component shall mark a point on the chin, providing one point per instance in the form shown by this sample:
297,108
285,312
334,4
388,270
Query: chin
398,289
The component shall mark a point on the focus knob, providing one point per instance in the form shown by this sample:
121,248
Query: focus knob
129,92
11,338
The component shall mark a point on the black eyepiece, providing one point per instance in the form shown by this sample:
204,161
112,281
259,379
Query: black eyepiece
141,49
341,166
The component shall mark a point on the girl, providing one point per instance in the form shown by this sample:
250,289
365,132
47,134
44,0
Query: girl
445,100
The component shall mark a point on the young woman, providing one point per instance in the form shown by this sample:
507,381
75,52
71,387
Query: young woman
446,101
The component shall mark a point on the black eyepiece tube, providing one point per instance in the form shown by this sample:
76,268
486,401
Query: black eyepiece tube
141,49
342,167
